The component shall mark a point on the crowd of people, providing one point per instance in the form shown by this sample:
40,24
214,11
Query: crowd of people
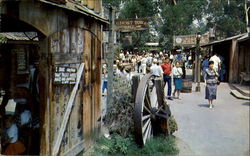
171,67
163,64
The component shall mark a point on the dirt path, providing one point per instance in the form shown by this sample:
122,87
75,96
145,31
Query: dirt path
222,131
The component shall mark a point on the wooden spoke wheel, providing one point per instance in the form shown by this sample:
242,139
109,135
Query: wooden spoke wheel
149,109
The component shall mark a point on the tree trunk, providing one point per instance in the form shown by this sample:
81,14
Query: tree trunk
174,1
247,17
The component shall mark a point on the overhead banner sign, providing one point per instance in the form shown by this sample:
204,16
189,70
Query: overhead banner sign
131,24
190,40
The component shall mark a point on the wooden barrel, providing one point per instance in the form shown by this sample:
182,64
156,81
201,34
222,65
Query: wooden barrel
186,86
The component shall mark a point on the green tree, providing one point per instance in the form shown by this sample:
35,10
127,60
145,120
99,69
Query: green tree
140,9
113,3
178,18
227,17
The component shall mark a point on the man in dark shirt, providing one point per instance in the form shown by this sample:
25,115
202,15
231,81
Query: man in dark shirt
167,71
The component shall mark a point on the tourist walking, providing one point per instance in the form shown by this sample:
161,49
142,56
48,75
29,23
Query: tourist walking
155,69
205,66
171,57
217,62
177,75
144,65
167,71
211,80
105,81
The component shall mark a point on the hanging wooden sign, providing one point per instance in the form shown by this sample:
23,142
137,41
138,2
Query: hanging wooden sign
131,24
189,40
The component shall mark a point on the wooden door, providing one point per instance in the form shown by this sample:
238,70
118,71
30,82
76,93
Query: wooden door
66,100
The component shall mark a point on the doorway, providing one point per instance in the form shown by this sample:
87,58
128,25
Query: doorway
223,51
20,103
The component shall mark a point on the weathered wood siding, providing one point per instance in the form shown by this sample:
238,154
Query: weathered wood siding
69,48
244,57
65,48
233,65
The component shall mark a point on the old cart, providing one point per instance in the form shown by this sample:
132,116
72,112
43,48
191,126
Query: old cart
151,110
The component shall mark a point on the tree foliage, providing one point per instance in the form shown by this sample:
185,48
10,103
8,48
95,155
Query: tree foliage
183,17
113,3
227,17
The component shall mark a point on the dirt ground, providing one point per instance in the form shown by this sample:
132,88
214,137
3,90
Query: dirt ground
221,131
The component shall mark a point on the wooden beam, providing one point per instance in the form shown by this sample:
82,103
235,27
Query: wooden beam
91,4
75,149
135,84
66,58
68,111
44,85
97,6
87,94
233,62
84,2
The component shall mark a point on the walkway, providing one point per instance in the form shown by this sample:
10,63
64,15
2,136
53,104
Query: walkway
222,131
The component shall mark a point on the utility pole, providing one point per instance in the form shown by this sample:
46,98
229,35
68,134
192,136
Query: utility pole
110,56
197,62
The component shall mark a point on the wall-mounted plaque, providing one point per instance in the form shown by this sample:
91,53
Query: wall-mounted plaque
21,60
65,74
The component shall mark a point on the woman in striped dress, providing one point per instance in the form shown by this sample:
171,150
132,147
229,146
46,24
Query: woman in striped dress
211,79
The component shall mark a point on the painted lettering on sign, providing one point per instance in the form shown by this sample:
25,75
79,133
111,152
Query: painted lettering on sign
131,24
65,75
189,40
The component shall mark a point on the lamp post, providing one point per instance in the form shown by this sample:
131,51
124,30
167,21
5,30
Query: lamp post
197,62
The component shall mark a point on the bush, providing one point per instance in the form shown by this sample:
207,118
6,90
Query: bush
160,146
119,117
117,145
172,124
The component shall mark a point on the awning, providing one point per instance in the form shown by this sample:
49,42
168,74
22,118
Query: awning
244,38
20,36
79,9
222,41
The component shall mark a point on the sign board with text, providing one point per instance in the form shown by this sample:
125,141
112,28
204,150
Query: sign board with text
65,74
189,40
131,24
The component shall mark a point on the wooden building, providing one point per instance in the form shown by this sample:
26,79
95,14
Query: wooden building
51,56
236,53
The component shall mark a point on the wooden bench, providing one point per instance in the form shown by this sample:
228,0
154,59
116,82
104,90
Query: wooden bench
245,76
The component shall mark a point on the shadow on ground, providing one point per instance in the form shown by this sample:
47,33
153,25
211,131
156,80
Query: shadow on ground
246,103
204,105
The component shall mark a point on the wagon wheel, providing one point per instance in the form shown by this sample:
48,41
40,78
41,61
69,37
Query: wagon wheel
149,108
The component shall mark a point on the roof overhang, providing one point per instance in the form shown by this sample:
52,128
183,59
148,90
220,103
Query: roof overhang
244,38
223,41
78,9
10,37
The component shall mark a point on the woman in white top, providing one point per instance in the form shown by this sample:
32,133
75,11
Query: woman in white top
144,64
177,74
